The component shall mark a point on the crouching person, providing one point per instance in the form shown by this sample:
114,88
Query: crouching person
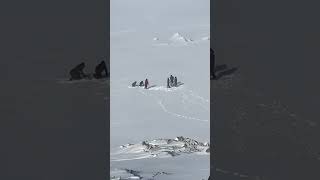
100,68
77,72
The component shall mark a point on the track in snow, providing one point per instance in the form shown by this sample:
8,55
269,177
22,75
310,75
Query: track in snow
183,94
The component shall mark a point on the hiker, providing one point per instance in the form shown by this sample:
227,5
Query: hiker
171,80
141,83
77,72
212,64
134,84
175,81
146,83
168,83
99,69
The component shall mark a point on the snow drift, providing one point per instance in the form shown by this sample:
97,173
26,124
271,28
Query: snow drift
160,148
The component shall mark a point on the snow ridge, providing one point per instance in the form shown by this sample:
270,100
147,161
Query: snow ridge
177,37
160,148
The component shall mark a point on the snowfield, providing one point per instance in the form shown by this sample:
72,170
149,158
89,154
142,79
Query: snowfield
160,132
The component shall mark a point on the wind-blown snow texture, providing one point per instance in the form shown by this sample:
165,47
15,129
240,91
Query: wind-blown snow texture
154,39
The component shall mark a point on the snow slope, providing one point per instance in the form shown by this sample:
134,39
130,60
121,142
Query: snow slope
165,38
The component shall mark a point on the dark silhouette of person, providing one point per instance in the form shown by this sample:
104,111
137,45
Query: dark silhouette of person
168,83
171,79
212,63
175,81
99,70
146,84
134,84
77,72
141,83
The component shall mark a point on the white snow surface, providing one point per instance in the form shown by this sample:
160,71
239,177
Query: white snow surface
158,113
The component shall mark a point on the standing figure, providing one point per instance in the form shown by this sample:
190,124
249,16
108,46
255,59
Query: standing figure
77,72
171,80
168,83
99,69
146,83
212,64
175,81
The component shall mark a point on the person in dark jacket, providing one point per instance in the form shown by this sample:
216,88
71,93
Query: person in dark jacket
141,83
77,72
146,84
171,80
168,83
99,70
134,84
175,81
212,64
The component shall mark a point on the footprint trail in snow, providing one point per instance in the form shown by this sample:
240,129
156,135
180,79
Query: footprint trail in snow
183,94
